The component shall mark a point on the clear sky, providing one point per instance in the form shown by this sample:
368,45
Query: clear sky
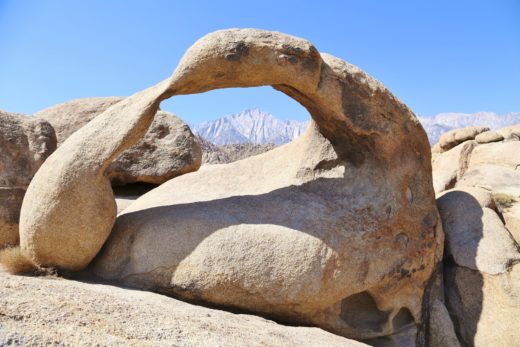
436,56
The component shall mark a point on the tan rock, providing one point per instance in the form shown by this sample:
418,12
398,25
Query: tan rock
496,178
511,132
489,136
69,208
449,166
68,117
54,311
482,282
485,307
168,149
475,236
25,143
501,154
269,234
454,137
511,213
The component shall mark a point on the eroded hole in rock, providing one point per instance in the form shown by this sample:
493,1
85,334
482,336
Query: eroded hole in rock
235,123
402,318
360,312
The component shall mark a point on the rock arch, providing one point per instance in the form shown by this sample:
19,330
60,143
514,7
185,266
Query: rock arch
358,127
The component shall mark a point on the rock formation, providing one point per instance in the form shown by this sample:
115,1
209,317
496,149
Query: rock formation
454,137
481,217
57,312
338,229
25,143
168,149
225,154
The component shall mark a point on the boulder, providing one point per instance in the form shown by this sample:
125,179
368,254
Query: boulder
323,231
449,166
499,153
494,166
25,143
56,312
68,117
511,132
482,271
489,136
454,137
168,149
469,227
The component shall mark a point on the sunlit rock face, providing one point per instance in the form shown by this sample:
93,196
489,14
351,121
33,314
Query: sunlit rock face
168,149
337,229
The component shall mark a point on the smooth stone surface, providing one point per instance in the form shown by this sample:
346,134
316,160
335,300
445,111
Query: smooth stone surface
449,166
482,271
167,150
476,238
489,136
454,137
269,234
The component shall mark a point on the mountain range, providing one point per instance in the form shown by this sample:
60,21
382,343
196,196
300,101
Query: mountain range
250,126
258,127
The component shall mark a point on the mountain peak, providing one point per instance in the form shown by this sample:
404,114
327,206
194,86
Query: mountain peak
250,126
259,127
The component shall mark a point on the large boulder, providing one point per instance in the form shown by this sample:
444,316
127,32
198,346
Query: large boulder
453,137
68,117
482,271
489,136
167,150
449,166
57,312
338,229
489,161
25,143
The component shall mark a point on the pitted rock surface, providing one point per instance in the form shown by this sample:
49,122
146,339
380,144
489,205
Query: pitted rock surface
25,143
337,229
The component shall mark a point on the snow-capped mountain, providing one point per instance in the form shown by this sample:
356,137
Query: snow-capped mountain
437,125
250,126
258,127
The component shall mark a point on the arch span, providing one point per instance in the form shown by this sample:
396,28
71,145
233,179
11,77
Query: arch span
69,210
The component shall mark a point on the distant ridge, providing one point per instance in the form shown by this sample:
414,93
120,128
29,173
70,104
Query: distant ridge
437,125
250,126
258,127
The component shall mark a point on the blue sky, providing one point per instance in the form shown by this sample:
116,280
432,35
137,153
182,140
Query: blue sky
436,56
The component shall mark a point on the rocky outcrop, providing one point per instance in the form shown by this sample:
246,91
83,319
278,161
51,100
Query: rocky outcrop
454,137
489,136
481,219
482,271
489,163
225,154
54,311
451,165
323,231
25,143
167,150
